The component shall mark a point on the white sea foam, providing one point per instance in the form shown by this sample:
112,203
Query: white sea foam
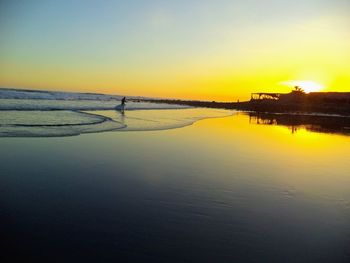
150,120
36,104
53,123
53,95
44,113
68,123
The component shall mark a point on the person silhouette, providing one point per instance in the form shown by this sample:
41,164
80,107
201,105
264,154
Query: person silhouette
121,107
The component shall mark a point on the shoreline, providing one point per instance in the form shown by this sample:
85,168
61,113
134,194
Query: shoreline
295,102
269,106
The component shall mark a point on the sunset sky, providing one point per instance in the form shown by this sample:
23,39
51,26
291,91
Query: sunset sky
196,49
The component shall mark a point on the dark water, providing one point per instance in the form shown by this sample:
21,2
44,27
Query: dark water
221,190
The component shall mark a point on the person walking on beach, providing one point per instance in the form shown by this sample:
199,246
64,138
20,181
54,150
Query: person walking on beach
123,105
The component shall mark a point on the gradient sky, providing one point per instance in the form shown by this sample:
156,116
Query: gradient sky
198,49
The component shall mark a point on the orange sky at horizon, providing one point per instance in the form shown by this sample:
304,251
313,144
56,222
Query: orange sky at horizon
200,50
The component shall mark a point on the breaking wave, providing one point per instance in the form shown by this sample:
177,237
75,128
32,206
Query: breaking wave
46,105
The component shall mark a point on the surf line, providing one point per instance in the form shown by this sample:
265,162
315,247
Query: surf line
101,118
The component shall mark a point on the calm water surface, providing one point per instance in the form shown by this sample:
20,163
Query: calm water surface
221,190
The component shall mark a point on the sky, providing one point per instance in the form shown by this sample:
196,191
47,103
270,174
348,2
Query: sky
195,49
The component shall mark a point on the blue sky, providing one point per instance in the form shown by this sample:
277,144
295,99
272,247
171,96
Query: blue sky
170,48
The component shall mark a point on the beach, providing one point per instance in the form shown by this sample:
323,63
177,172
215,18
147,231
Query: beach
218,190
175,131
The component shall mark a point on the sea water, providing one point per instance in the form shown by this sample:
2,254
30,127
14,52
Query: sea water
239,188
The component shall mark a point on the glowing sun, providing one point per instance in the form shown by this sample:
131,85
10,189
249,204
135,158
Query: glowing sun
306,85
